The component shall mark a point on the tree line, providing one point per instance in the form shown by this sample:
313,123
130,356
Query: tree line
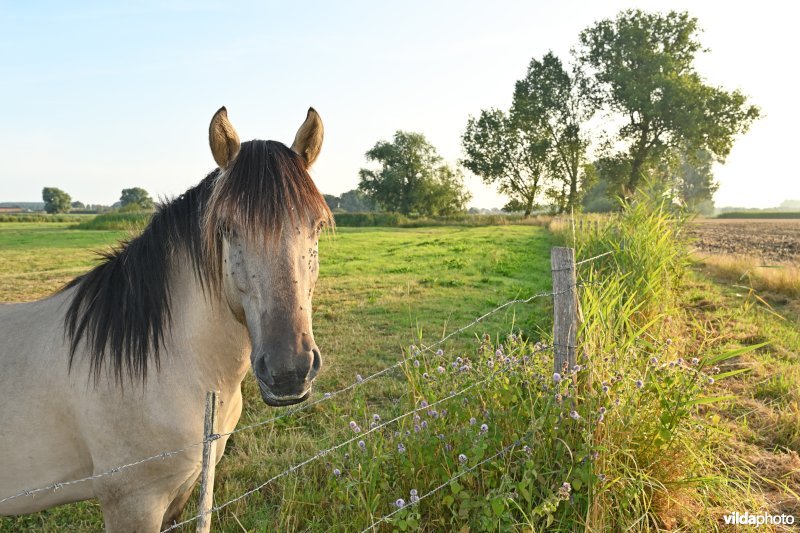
133,199
627,108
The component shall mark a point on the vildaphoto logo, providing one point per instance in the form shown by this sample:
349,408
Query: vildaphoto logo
747,519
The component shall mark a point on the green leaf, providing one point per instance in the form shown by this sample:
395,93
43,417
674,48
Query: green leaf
498,506
709,399
727,355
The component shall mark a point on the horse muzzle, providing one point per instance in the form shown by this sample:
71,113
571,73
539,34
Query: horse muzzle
274,400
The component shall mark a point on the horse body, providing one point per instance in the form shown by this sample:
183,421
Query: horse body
70,411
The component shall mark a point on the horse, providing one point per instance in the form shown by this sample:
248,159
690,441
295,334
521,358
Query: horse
115,366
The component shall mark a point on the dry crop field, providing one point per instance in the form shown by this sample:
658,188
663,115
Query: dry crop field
773,240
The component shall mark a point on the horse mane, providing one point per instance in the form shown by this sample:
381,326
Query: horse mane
121,308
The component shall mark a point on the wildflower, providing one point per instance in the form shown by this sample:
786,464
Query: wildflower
443,413
558,397
695,361
605,389
715,370
462,458
602,410
413,492
423,404
484,428
464,368
359,379
653,361
601,418
564,491
440,369
576,368
414,496
448,447
680,360
425,375
710,381
595,456
353,425
347,457
424,424
401,448
499,353
574,415
439,352
454,364
376,417
416,428
557,377
490,363
337,472
362,445
601,477
400,503
459,360
416,363
526,449
327,395
639,383
433,414
440,436
472,421
668,342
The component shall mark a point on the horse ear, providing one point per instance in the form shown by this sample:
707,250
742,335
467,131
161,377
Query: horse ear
308,140
223,139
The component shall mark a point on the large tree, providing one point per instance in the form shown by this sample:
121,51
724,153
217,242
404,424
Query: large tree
641,68
513,158
412,178
549,99
56,200
136,198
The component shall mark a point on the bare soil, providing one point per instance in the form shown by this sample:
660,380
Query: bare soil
771,240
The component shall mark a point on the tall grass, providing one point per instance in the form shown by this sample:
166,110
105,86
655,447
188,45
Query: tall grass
781,279
43,217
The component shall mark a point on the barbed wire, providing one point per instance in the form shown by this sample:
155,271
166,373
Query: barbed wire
327,396
443,485
335,447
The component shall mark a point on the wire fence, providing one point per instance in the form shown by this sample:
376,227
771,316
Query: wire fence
305,406
328,396
358,436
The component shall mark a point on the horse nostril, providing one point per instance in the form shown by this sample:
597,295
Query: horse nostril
316,364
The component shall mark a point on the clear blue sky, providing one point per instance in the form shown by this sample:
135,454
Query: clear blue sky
98,97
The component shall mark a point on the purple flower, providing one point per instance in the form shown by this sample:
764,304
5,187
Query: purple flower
327,395
601,477
414,496
423,404
602,410
526,449
440,352
557,377
413,492
695,361
433,414
462,458
464,368
359,379
639,383
472,421
710,381
400,503
401,448
564,491
499,353
574,415
362,445
353,425
558,398
376,417
605,389
416,363
653,361
424,424
440,369
484,428
425,375
459,360
337,472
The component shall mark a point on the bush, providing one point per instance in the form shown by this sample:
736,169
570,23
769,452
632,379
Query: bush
396,220
130,221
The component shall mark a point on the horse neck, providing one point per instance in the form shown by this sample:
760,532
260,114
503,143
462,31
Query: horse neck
213,343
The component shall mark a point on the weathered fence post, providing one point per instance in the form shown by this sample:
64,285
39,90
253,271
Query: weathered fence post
209,463
565,307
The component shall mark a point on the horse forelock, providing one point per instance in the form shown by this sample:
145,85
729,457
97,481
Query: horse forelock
121,311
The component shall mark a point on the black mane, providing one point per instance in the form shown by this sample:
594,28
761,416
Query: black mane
121,308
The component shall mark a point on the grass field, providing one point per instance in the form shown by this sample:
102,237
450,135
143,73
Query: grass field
666,457
380,289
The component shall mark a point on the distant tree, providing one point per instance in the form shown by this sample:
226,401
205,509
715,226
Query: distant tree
549,101
135,198
355,201
78,205
640,66
333,202
412,178
514,158
56,200
690,179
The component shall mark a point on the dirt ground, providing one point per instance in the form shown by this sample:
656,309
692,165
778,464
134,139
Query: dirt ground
772,240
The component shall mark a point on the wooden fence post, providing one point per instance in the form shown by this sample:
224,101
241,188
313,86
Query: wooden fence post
209,463
565,307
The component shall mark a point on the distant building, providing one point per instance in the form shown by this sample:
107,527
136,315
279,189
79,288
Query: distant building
14,209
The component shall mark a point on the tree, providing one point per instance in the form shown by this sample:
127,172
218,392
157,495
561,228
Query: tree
135,198
412,178
56,200
550,99
77,205
332,201
355,201
502,153
690,179
640,66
